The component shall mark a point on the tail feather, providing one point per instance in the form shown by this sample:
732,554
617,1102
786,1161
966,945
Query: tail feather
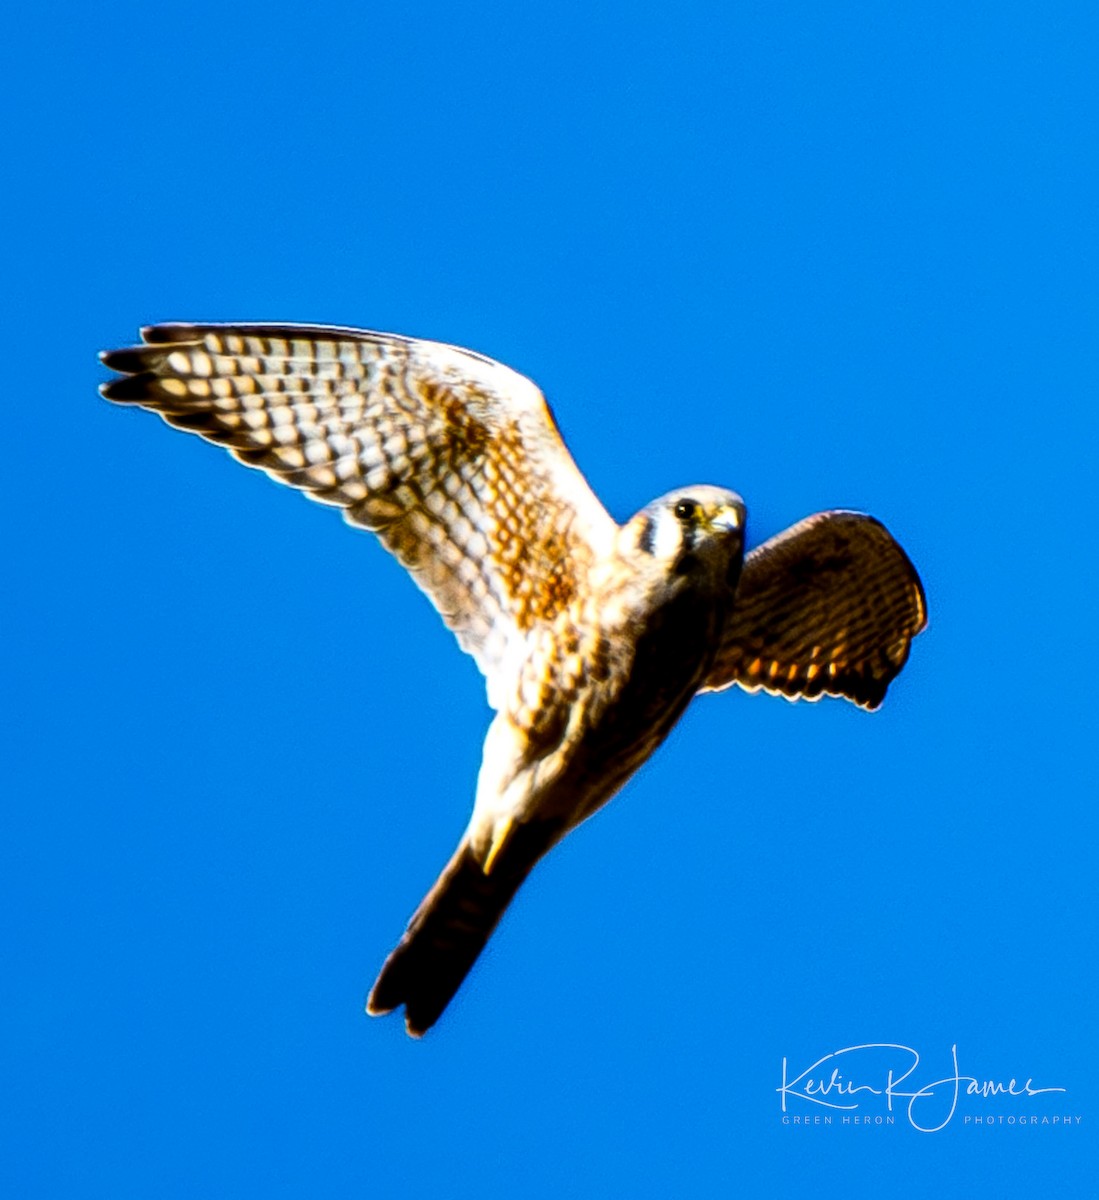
448,931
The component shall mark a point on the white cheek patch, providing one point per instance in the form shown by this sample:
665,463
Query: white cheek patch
668,539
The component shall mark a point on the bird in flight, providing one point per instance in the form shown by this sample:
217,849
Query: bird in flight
593,637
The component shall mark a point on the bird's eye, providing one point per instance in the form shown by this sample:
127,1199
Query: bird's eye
686,509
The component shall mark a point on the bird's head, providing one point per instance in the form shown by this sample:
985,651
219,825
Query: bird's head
695,531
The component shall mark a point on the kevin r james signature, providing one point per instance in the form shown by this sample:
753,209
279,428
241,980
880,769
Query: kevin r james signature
822,1083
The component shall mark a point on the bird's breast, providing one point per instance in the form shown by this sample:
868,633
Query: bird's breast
670,649
654,664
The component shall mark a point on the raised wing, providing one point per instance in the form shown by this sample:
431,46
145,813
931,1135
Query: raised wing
830,606
453,459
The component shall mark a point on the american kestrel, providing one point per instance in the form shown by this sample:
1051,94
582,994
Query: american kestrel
593,637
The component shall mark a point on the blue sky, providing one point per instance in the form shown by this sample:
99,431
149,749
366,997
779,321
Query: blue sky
832,255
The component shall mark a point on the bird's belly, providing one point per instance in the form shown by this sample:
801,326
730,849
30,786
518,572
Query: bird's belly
621,725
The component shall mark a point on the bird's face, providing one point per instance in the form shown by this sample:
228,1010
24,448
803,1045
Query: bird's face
695,532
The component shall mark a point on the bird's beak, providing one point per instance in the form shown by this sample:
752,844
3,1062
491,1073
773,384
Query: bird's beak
728,520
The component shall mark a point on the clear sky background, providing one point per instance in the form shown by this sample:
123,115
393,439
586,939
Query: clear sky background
831,255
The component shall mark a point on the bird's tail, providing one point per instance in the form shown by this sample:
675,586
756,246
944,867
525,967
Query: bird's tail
449,930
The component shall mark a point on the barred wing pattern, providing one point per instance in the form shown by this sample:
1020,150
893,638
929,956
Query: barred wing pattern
453,459
830,606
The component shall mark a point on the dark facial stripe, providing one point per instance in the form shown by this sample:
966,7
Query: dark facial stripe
646,539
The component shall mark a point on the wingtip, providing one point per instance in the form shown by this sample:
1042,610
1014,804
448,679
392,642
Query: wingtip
167,332
127,389
128,360
921,601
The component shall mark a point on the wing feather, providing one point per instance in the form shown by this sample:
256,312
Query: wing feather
829,607
452,459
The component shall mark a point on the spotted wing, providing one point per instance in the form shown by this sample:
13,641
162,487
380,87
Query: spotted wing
453,459
830,606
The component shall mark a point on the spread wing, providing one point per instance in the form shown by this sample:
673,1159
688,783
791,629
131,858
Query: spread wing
452,459
829,606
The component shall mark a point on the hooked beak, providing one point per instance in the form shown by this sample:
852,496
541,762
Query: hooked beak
729,519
